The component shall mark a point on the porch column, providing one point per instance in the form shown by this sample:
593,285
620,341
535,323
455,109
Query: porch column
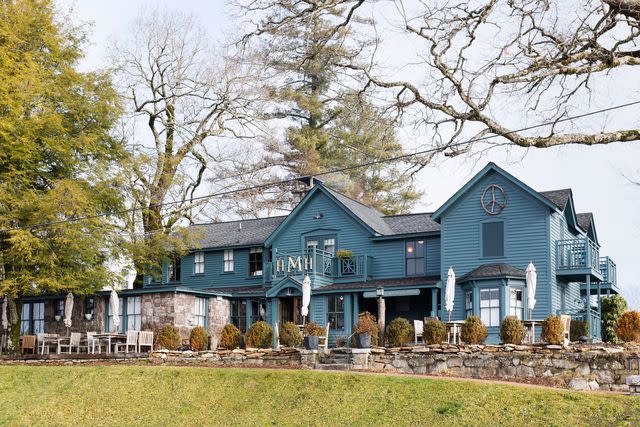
434,302
589,320
356,309
381,315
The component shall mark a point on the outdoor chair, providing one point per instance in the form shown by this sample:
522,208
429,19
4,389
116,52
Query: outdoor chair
566,326
132,341
93,343
418,328
75,341
323,341
145,339
41,345
277,330
3,342
28,343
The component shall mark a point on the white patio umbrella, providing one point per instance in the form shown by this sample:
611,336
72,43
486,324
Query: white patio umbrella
306,296
450,291
68,310
531,279
114,309
5,317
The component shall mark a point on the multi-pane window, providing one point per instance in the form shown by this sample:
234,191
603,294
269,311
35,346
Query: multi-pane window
134,313
516,306
415,257
89,308
335,311
330,246
239,314
174,271
490,306
311,245
258,310
493,239
60,308
200,312
228,260
255,262
468,303
32,319
198,263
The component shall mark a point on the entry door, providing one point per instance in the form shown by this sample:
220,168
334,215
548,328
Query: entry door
290,310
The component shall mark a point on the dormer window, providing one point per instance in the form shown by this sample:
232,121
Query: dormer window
255,262
414,256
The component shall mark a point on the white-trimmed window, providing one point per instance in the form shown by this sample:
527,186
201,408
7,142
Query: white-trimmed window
198,263
228,260
134,313
200,312
516,303
32,321
335,311
330,246
255,262
468,303
490,306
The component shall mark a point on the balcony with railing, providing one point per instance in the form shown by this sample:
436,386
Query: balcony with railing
319,263
609,284
577,258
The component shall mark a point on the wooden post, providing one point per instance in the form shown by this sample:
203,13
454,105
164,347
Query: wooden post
589,320
381,320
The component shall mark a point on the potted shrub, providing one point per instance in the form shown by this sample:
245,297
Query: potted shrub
311,333
552,331
290,335
399,332
512,331
260,335
473,331
434,332
231,337
366,331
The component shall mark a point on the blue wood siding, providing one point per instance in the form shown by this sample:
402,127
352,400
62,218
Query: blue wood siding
526,238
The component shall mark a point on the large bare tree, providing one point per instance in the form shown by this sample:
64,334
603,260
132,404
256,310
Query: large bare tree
478,67
187,102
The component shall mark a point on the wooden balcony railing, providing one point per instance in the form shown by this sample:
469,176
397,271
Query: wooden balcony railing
578,254
609,270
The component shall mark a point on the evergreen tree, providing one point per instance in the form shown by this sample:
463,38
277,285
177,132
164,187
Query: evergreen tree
55,157
612,308
332,125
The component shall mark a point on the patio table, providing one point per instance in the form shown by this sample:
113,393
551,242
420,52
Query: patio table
47,339
108,337
453,328
530,327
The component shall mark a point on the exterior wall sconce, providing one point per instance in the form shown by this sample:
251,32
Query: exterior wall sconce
318,215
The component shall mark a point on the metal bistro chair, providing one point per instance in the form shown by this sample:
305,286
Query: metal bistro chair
145,339
132,341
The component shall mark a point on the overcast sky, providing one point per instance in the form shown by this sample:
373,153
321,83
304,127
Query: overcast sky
597,175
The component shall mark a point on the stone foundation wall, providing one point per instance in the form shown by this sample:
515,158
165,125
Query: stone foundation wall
584,368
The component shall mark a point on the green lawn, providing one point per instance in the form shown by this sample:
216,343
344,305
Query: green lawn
143,395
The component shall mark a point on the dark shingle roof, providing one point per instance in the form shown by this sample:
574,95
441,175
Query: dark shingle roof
385,283
370,216
584,220
241,290
412,223
557,197
237,233
489,271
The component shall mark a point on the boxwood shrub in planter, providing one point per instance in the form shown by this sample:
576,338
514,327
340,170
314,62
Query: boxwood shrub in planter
366,325
311,333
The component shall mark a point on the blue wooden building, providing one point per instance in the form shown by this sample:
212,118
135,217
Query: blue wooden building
249,270
488,231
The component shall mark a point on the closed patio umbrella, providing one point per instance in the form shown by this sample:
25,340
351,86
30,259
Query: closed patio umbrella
114,309
531,279
306,296
68,310
450,291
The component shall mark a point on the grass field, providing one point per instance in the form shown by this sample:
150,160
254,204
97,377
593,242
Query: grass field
139,395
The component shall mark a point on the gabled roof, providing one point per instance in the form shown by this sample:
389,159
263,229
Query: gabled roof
558,197
237,233
412,223
370,216
493,271
587,224
489,168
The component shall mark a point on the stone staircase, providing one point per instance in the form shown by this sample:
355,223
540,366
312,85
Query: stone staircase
334,361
